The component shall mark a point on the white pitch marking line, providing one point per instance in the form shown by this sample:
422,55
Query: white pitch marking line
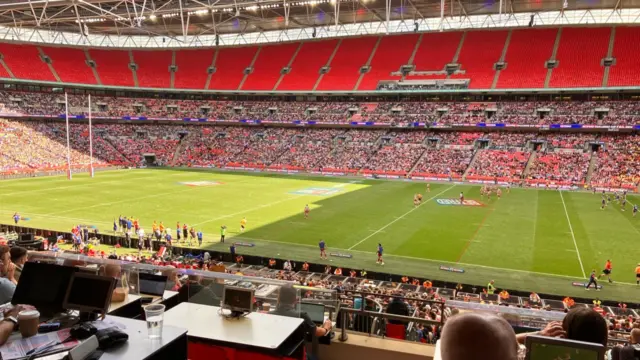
421,259
122,201
401,217
249,210
573,236
96,183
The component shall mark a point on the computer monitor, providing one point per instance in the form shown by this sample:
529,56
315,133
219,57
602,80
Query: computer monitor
237,299
150,284
89,293
544,348
44,286
315,311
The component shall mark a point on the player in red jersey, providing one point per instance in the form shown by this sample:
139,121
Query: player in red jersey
461,198
306,211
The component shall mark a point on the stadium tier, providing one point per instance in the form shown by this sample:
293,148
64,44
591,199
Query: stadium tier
560,114
533,158
113,67
152,68
577,60
526,54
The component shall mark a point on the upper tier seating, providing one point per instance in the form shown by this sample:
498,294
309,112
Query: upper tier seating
70,64
392,53
230,65
579,56
434,52
352,54
626,47
192,68
305,68
25,62
113,67
480,51
153,68
526,55
269,63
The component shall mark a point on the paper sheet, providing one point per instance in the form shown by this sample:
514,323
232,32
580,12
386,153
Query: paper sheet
19,348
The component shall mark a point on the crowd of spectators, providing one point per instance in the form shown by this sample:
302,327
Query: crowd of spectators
499,163
447,162
522,113
33,145
617,161
560,166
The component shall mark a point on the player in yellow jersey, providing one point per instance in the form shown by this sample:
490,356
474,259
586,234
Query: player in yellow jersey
243,224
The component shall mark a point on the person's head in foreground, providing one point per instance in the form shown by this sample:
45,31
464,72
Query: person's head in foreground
584,324
478,336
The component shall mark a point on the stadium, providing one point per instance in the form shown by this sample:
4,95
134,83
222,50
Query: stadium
472,157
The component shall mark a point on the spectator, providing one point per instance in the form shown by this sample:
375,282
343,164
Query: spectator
18,258
287,304
628,352
397,306
478,336
584,324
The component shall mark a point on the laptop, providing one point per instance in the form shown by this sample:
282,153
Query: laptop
315,312
150,284
543,348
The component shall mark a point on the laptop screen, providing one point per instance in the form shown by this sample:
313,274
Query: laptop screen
151,284
315,311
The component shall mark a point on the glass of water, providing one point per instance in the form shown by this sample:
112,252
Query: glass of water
154,314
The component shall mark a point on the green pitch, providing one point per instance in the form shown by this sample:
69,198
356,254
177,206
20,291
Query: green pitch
533,240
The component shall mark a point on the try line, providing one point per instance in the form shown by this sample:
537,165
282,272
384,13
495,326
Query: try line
573,236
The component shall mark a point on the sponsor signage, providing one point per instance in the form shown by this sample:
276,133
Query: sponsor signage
456,202
451,269
341,255
242,243
581,284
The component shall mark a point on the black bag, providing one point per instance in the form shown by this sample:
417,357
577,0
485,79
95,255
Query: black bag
111,337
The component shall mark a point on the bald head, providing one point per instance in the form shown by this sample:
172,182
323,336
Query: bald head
635,336
479,337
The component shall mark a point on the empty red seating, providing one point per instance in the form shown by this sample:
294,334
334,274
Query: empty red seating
526,55
153,68
392,53
580,53
305,68
4,73
266,69
352,54
626,47
480,51
230,65
112,66
25,63
192,68
70,64
434,52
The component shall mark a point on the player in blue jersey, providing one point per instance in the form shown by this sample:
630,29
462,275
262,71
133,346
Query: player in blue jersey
604,203
380,250
635,210
323,253
623,204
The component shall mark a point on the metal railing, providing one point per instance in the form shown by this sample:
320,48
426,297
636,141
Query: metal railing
371,318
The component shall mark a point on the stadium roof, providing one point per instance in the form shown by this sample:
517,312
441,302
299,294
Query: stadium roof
178,23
